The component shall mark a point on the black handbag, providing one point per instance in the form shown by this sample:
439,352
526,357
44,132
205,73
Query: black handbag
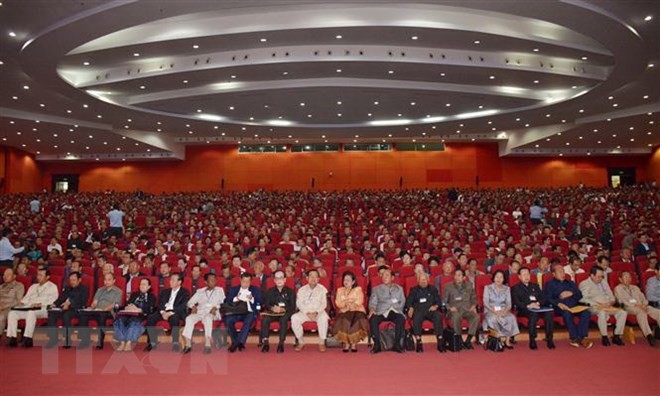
234,308
453,341
494,344
387,339
409,341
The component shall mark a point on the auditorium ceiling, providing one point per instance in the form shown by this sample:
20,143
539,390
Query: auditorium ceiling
111,80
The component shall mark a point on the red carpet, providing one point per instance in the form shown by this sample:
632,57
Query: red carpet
629,370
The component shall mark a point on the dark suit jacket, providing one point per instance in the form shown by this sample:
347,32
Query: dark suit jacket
77,297
180,301
520,295
147,306
640,250
256,293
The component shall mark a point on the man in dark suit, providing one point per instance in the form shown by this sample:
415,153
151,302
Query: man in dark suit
279,305
172,308
527,298
644,246
73,298
252,296
424,304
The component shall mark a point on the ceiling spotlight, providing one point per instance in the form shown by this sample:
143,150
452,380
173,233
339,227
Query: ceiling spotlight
136,54
648,18
199,110
338,70
302,104
338,114
231,107
651,65
645,97
15,97
442,74
412,103
414,37
143,87
285,73
26,87
195,46
85,63
584,58
338,37
376,103
339,103
233,76
185,81
309,116
615,105
369,114
263,40
12,34
492,77
390,72
477,42
535,50
536,81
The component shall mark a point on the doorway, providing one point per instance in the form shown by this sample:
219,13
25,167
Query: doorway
621,177
64,183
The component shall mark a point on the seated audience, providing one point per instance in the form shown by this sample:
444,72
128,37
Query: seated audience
528,299
128,325
424,303
106,299
279,305
11,293
66,307
251,295
635,303
461,301
171,308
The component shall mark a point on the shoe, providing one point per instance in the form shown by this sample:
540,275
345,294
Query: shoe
441,346
149,347
51,344
233,348
280,347
185,350
66,347
12,342
616,340
322,347
532,344
375,350
299,347
574,343
346,350
512,340
241,347
551,344
176,347
207,350
265,347
605,341
418,347
651,340
468,345
587,344
354,350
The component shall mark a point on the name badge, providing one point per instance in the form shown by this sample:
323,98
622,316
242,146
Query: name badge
281,304
422,300
498,308
633,301
459,298
394,301
532,298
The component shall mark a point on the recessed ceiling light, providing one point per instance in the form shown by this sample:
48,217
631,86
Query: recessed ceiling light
85,106
447,104
414,37
136,54
615,105
12,34
54,135
581,110
338,37
477,42
442,74
632,139
85,63
285,73
399,115
584,58
309,116
369,114
233,76
574,87
185,81
492,77
648,18
547,115
187,125
339,103
517,119
26,87
302,104
231,107
390,72
195,46
526,125
142,87
338,114
535,50
614,135
376,103
338,70
536,81
568,144
651,65
537,146
645,97
15,97
263,40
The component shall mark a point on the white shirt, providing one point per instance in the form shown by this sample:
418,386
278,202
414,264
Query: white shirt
35,205
115,217
7,250
57,246
312,300
45,294
206,299
170,304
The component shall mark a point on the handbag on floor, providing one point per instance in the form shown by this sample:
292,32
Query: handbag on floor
453,341
387,339
234,308
629,335
493,344
409,341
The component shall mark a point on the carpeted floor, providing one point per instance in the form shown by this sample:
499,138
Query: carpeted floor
629,370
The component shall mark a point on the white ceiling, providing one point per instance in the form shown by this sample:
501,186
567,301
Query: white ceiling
141,80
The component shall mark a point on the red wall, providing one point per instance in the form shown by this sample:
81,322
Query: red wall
653,168
19,171
458,165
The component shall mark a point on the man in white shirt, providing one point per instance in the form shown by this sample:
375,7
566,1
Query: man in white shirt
35,205
573,268
38,297
7,250
205,308
311,301
116,226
